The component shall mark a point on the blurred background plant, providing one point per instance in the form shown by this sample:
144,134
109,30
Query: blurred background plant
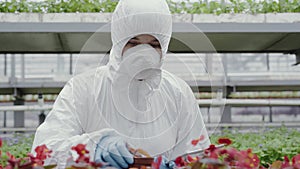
19,145
270,145
57,6
187,6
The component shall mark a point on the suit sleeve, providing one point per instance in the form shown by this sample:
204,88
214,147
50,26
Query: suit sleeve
190,125
62,129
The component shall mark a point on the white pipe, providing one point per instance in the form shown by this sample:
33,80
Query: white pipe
201,102
18,129
253,124
208,125
249,102
26,108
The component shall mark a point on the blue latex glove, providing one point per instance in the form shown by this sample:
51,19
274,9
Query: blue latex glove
165,163
113,150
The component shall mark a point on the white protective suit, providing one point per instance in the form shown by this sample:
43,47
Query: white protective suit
158,114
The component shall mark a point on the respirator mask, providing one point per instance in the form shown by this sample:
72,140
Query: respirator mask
138,76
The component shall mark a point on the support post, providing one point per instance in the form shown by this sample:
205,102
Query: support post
208,115
19,116
71,64
22,67
5,64
42,115
271,114
4,119
226,116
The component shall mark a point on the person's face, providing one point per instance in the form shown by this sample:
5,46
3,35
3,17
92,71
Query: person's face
143,39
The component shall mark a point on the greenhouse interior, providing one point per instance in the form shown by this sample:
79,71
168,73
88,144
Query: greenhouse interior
241,60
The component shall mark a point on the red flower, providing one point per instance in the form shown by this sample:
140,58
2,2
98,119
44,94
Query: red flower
211,152
156,165
80,149
225,141
247,160
84,159
35,161
42,153
192,159
96,165
286,162
296,161
0,142
13,162
210,149
180,162
231,156
196,141
82,152
10,156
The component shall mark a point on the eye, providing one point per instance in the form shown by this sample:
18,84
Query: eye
132,43
156,46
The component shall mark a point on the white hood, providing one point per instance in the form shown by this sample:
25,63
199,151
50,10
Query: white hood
136,17
132,18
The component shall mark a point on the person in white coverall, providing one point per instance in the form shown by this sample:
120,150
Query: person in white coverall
131,101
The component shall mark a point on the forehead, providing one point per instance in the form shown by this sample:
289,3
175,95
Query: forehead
145,38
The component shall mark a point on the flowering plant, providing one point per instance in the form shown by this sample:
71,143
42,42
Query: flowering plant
223,158
31,161
212,158
42,153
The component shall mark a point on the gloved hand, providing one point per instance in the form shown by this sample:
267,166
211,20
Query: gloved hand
165,163
113,150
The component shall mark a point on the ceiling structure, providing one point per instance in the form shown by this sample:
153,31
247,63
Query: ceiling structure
186,37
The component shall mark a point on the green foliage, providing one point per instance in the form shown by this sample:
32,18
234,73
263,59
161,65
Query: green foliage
199,7
270,145
18,145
